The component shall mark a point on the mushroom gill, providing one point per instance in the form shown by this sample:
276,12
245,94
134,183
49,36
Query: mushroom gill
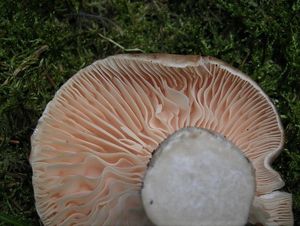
94,140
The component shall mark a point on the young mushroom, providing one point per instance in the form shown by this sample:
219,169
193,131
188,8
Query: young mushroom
164,139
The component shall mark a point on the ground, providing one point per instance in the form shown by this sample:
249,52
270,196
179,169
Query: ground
43,43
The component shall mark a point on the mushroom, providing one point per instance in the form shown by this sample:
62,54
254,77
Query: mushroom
93,144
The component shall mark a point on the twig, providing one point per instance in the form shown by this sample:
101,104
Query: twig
31,59
120,46
244,61
105,21
11,141
50,80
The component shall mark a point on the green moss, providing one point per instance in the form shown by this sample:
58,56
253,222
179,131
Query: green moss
43,43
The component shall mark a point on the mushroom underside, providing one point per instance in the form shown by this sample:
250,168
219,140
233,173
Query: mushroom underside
92,145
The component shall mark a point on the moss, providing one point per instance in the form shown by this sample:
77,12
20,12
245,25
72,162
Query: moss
43,43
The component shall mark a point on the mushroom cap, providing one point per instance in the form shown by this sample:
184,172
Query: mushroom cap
92,144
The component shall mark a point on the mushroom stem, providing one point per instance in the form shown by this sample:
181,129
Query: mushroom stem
197,177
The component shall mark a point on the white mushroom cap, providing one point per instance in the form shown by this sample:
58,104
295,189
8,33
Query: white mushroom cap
198,178
91,147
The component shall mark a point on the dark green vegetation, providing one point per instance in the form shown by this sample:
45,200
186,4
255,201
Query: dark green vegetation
43,43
